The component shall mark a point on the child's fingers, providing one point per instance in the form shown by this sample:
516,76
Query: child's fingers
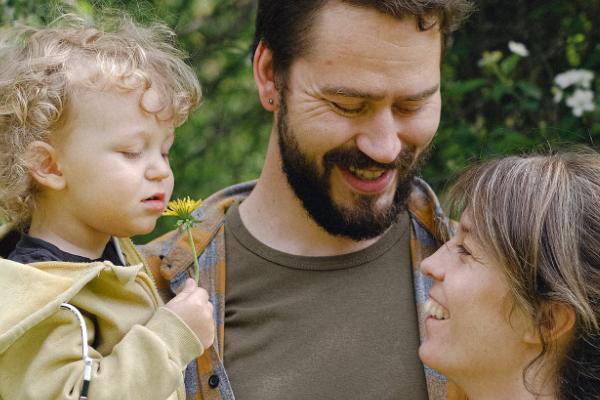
200,295
189,286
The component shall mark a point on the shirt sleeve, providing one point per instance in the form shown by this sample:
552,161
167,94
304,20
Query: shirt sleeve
46,362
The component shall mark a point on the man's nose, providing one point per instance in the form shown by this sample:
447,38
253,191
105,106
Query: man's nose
379,138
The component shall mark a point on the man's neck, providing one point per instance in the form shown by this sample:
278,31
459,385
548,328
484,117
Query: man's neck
275,216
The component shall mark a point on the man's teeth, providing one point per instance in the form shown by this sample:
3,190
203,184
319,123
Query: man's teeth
436,310
366,173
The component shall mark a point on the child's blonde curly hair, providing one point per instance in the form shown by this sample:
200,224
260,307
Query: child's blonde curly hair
41,67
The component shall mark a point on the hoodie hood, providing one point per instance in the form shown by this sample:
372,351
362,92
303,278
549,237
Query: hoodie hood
33,292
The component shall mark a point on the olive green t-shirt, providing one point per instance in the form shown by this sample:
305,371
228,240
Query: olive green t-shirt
340,327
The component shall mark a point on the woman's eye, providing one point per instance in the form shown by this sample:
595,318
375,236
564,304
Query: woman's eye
348,109
462,250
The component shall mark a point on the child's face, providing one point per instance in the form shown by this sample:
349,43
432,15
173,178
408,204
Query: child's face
114,159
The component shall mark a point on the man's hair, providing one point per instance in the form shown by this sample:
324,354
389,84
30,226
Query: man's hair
538,218
40,71
284,26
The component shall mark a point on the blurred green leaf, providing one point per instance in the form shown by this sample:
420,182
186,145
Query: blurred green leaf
530,89
460,88
509,64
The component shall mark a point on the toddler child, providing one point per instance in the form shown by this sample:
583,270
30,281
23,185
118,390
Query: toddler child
87,118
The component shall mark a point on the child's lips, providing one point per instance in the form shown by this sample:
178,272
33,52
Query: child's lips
155,202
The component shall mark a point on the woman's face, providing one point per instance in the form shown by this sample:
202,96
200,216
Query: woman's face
468,332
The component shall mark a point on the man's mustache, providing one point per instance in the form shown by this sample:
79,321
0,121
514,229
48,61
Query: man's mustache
345,158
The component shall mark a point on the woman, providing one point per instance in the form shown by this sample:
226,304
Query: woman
514,309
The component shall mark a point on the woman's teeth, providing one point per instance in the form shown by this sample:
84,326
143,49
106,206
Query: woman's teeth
435,310
370,174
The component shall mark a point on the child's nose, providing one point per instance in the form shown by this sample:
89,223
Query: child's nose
158,168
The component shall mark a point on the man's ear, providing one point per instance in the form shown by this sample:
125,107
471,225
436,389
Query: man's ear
557,322
43,165
265,77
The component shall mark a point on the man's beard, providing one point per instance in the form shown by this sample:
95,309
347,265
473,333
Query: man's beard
362,220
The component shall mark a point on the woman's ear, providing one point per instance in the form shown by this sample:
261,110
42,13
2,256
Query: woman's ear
556,322
265,77
43,165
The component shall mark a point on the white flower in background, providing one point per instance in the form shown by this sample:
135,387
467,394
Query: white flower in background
518,48
558,94
581,101
574,86
579,77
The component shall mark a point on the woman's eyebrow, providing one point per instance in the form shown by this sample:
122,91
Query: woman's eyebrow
464,228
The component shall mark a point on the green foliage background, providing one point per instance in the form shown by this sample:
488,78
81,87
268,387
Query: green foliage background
504,107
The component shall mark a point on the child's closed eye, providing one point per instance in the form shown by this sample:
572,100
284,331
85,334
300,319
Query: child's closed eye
131,155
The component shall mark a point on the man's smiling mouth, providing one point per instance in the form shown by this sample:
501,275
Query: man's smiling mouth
368,174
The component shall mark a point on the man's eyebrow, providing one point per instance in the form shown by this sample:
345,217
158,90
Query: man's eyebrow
423,95
350,92
357,93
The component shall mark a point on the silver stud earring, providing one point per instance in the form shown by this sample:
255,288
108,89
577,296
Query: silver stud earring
271,101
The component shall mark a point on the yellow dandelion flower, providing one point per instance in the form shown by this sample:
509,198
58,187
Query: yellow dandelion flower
181,208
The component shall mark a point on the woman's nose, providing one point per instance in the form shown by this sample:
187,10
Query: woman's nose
435,265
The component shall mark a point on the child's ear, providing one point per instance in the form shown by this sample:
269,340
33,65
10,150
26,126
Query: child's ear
43,165
557,323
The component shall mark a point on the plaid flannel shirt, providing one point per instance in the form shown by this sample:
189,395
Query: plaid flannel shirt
171,261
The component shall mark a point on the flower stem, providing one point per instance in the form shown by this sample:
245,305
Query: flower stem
196,265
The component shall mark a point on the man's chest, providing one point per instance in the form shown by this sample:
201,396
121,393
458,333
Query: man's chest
322,332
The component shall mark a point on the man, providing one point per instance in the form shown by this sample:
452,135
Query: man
323,295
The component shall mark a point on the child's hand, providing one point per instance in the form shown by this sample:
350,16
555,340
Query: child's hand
193,307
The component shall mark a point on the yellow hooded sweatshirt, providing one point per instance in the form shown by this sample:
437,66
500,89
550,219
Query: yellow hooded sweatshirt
139,348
